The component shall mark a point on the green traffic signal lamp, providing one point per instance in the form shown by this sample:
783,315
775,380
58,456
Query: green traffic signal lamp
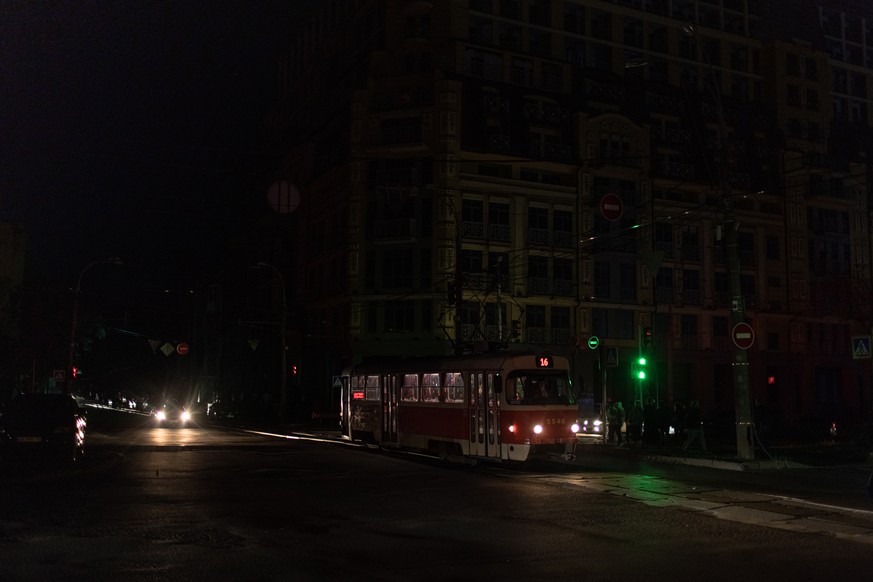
641,371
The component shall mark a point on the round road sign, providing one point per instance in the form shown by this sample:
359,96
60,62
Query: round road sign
611,207
182,349
743,335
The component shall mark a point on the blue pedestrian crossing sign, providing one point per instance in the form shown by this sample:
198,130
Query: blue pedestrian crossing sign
861,347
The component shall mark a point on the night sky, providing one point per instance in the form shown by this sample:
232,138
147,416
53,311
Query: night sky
135,129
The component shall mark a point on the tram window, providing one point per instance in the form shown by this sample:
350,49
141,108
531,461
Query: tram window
372,387
357,387
454,383
430,387
516,392
410,388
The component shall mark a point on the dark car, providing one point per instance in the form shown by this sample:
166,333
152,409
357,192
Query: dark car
35,426
173,414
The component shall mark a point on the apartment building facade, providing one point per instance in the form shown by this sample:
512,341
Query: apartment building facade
478,173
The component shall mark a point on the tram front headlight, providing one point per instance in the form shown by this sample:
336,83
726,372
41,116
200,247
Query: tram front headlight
512,428
575,427
538,428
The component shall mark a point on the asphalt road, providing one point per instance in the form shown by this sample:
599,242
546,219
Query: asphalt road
221,503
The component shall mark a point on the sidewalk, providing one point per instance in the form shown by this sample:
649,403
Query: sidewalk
723,455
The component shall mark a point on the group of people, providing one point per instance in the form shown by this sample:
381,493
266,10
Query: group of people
651,425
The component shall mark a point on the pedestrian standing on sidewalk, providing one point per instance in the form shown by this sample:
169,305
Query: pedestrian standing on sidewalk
678,419
694,426
635,424
614,422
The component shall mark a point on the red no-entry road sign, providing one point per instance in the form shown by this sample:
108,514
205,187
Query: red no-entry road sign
611,207
743,335
182,349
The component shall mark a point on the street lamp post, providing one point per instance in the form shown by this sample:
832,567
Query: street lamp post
68,376
283,365
740,364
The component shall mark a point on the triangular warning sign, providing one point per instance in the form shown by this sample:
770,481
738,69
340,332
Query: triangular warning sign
861,347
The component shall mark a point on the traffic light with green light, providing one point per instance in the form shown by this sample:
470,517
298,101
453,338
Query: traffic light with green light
641,368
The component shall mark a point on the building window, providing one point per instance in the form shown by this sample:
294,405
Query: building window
773,253
536,319
601,279
471,261
792,66
691,286
690,242
426,315
563,276
664,238
812,100
425,264
498,221
538,275
613,323
561,318
399,316
720,327
370,271
793,96
627,289
538,225
498,266
372,316
397,269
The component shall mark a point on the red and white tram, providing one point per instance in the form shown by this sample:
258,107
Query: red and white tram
501,406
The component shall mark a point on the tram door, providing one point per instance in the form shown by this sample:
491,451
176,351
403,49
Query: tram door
389,409
483,416
345,407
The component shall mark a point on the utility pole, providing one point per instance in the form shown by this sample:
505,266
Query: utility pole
740,363
456,290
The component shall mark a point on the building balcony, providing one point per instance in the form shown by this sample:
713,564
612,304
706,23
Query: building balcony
539,286
397,230
473,229
691,296
564,239
679,170
498,232
536,335
400,135
498,142
538,236
564,288
562,336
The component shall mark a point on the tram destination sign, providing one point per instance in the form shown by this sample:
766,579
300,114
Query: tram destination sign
545,362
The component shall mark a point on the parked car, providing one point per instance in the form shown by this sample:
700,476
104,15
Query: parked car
35,426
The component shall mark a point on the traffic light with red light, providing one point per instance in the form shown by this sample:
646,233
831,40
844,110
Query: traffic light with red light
646,337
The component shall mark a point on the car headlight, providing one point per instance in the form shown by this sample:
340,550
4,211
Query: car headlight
161,415
185,416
